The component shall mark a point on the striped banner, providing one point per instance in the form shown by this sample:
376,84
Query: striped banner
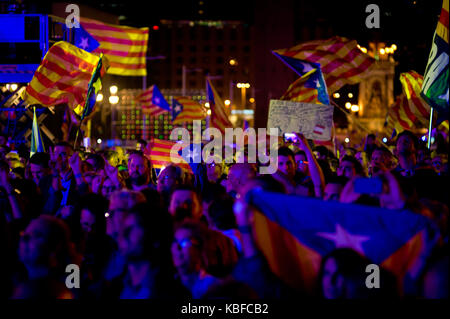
341,61
219,118
124,47
161,154
62,77
185,109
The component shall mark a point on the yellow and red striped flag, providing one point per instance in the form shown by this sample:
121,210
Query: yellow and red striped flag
125,47
185,109
161,154
410,110
219,118
62,77
340,59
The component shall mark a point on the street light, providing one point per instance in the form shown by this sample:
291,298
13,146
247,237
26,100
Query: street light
113,89
336,95
348,105
99,97
355,108
233,62
227,102
350,95
113,99
207,104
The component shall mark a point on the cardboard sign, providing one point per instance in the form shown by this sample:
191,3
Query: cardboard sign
313,120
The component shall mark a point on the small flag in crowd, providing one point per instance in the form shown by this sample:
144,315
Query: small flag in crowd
124,47
219,118
310,87
63,77
319,129
340,60
37,144
294,240
159,153
435,86
153,102
185,109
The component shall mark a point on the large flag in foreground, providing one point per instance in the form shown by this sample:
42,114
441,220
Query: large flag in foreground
161,154
340,60
64,77
219,118
435,85
185,109
153,102
124,47
37,144
294,233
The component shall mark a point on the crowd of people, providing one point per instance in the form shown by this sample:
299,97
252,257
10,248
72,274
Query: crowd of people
136,232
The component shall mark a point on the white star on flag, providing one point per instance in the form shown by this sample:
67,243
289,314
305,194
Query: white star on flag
156,100
343,239
84,43
307,67
177,108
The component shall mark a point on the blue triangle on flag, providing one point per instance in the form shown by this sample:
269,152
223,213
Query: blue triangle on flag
84,40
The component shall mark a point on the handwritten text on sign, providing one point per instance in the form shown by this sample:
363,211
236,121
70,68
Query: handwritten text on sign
313,120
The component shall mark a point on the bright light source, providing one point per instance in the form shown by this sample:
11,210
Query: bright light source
247,85
384,139
251,100
350,95
155,27
13,86
243,85
348,105
99,97
393,47
336,95
207,104
227,102
355,108
424,138
99,141
363,49
432,140
114,99
382,51
347,140
239,85
106,215
113,89
233,62
208,112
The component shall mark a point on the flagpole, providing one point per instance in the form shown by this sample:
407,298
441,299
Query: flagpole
90,88
430,127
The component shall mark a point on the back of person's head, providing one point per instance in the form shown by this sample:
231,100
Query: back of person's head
322,151
96,160
40,158
97,206
266,183
125,199
221,214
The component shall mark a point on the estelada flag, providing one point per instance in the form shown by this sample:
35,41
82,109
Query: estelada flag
435,86
152,102
124,47
162,153
185,109
219,118
294,233
340,60
63,77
